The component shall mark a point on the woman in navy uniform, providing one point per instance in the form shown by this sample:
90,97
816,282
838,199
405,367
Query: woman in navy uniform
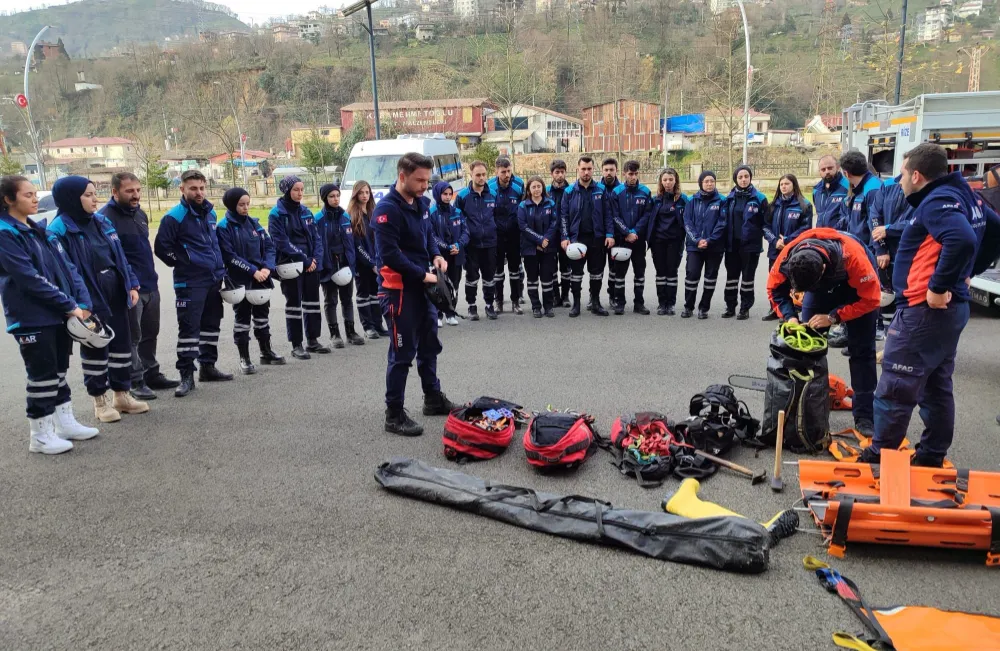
360,209
665,234
40,288
92,245
451,234
334,227
538,220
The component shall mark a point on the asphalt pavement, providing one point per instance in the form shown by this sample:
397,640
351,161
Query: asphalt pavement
246,515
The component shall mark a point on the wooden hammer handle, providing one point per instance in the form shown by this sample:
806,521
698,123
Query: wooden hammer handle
779,443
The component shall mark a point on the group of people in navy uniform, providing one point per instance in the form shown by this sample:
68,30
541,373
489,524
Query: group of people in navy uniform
99,261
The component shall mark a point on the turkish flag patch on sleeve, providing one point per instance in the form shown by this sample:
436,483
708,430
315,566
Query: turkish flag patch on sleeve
381,219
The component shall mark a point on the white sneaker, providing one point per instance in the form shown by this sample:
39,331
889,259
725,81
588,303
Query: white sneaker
440,321
44,439
452,320
67,427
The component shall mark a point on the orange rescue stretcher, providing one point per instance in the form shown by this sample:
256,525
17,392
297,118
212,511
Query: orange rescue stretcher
898,504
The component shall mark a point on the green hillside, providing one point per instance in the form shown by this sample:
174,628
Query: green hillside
93,27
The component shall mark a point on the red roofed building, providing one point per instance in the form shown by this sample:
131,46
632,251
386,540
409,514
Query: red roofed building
462,118
92,152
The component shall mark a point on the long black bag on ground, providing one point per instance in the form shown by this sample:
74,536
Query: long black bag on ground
798,382
726,543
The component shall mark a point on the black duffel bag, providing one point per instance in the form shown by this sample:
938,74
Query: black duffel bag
798,381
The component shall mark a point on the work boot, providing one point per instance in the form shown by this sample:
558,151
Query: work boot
557,300
702,314
160,382
743,315
549,313
103,410
298,352
491,313
596,308
661,309
335,339
926,460
770,316
186,385
473,313
729,313
687,313
619,309
451,320
536,312
498,306
574,311
869,455
44,439
124,403
879,331
67,427
397,421
865,427
352,336
671,311
209,373
515,307
246,366
846,352
267,354
142,392
564,299
313,346
437,404
371,333
640,308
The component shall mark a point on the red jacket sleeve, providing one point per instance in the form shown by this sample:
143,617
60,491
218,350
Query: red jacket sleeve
779,289
861,275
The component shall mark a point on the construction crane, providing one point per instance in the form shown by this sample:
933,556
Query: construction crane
975,54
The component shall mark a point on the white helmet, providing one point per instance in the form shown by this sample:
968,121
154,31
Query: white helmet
90,332
620,253
289,270
258,295
887,298
231,292
576,251
343,276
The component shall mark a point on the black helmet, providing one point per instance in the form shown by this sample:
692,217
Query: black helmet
442,293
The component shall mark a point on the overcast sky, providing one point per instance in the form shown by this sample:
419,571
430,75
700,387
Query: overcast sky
248,10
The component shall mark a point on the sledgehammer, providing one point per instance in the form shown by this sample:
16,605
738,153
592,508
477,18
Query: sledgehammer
776,484
755,477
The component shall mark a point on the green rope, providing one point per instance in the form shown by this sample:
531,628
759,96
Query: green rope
800,338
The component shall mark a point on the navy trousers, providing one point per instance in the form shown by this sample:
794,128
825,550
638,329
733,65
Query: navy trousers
561,286
480,260
199,312
696,260
45,352
111,365
917,366
860,341
541,266
413,333
741,269
245,312
368,307
667,256
302,305
509,250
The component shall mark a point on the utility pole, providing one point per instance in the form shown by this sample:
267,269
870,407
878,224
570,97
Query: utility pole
31,125
749,71
902,47
666,114
975,53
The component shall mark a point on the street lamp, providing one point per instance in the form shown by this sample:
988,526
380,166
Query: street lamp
746,99
236,117
344,13
27,108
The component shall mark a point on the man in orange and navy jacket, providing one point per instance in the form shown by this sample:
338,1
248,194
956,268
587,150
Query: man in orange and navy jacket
939,252
405,252
838,275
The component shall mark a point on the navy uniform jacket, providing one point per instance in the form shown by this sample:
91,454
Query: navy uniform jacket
246,247
571,212
404,244
449,229
630,209
77,245
890,209
39,285
334,228
133,232
829,201
556,194
538,222
478,210
666,219
508,199
293,229
860,215
186,241
744,212
703,220
788,219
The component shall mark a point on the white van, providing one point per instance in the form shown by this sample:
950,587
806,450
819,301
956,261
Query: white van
375,161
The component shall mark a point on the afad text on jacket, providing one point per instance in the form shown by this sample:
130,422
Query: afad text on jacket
745,210
703,220
787,220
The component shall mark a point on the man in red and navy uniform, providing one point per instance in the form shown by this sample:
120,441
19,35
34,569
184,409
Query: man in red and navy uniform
404,255
936,258
838,275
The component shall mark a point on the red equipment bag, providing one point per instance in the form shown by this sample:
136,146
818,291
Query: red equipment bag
558,440
470,436
644,447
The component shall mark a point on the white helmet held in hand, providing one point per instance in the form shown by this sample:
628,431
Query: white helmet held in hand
620,253
260,293
289,270
231,292
90,332
343,276
576,251
887,298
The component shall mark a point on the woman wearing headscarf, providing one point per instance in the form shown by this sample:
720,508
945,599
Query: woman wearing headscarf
334,227
451,234
744,209
92,245
296,239
40,289
706,228
248,253
360,209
